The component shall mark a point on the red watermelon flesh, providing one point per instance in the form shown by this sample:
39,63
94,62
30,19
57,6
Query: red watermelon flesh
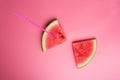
84,51
48,41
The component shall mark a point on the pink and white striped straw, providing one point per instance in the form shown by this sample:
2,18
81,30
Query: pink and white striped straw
32,22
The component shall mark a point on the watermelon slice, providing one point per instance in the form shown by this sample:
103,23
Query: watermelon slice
84,51
49,42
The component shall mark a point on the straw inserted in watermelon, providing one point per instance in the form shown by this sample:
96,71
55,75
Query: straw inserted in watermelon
48,41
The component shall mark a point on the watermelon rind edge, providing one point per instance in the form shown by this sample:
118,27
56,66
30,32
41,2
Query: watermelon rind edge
49,26
79,66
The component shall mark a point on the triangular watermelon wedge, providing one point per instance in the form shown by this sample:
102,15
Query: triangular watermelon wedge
84,51
48,41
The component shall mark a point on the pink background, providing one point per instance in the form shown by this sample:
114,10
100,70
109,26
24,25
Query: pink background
21,57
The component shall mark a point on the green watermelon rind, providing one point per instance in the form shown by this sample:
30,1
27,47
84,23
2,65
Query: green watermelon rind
79,66
48,28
